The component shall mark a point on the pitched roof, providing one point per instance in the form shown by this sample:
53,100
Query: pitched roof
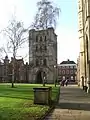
68,62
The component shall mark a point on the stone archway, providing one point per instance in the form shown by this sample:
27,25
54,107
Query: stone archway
39,79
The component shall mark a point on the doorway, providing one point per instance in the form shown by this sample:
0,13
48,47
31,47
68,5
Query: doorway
39,77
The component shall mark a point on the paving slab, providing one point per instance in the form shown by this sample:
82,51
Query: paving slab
73,104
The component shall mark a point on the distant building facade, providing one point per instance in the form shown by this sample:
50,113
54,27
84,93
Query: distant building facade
21,71
67,70
42,56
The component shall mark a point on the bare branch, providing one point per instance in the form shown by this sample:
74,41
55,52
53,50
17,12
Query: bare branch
15,34
46,15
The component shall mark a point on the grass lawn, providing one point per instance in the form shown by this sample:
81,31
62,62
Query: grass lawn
17,103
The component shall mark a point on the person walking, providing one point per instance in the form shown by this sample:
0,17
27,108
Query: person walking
66,82
62,82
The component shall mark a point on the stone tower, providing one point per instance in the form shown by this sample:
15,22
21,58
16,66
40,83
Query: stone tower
42,56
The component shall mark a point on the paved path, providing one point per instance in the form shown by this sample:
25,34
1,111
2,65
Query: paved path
74,104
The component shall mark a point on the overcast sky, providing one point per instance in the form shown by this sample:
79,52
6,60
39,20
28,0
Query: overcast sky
67,28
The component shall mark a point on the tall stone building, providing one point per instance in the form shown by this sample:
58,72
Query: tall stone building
84,36
42,56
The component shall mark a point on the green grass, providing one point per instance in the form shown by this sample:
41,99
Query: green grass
17,103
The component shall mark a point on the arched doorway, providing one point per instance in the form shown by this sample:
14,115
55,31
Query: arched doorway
39,77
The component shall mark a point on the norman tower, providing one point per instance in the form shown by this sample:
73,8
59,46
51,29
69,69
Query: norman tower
42,56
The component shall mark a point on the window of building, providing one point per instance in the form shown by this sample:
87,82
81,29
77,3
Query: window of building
71,71
67,71
63,71
37,62
36,38
45,47
41,48
45,62
45,38
71,77
36,48
40,38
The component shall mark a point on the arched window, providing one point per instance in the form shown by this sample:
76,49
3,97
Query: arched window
45,47
71,71
40,48
67,71
45,38
36,48
36,38
44,62
63,71
37,62
40,38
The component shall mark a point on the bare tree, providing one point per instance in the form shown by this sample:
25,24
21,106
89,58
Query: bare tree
46,16
15,34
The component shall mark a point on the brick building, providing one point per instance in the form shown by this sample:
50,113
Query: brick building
67,70
21,70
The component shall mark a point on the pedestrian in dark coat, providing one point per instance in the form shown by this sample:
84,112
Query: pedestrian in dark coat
66,82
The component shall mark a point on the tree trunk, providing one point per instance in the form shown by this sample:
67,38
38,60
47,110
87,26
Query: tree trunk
13,75
13,69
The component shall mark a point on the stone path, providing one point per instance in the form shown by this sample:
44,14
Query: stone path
74,104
